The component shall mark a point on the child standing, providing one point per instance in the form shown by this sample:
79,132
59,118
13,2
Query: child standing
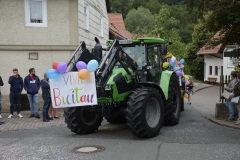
190,91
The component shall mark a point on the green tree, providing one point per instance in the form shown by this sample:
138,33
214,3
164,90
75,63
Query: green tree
195,64
224,17
137,21
167,27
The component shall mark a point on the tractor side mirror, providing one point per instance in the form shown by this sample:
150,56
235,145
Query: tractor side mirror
163,49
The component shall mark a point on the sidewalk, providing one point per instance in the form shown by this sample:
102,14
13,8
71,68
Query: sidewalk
17,123
205,100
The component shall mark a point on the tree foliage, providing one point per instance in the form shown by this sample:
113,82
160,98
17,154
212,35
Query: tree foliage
224,17
137,21
194,63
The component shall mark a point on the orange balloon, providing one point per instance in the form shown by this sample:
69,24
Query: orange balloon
176,63
55,65
83,74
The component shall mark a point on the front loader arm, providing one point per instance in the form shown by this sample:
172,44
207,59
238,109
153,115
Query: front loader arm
112,56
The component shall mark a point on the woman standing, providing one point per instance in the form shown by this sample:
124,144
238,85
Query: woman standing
236,92
190,91
229,104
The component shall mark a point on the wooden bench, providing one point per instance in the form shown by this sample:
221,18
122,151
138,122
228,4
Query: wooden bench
212,80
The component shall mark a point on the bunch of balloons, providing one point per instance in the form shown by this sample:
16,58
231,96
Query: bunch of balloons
85,69
177,66
185,80
57,68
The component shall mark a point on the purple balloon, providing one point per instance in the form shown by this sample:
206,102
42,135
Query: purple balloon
62,67
187,82
81,65
179,73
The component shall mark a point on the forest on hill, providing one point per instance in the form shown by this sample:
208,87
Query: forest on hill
189,24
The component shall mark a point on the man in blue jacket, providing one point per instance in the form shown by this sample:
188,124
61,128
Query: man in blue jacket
32,85
16,87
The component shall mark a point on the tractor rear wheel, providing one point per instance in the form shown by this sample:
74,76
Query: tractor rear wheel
173,104
145,112
79,120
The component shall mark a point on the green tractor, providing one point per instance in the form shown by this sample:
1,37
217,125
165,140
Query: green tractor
131,87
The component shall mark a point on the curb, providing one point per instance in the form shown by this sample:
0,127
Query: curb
222,124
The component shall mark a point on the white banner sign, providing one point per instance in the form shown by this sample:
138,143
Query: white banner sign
67,90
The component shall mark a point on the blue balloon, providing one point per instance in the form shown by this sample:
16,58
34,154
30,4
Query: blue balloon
172,63
183,80
181,61
176,68
92,65
52,73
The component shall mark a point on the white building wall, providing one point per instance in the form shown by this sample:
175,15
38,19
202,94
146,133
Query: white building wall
227,67
96,10
212,61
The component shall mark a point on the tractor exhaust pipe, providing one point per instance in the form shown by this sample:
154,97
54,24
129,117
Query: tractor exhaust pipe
97,51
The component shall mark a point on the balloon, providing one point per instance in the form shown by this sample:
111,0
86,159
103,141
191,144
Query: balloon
52,73
179,73
187,82
62,67
186,78
185,95
55,65
182,61
185,99
183,80
176,63
92,65
172,63
181,66
165,65
176,68
81,65
83,74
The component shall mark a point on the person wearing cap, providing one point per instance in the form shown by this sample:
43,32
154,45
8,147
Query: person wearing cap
170,57
229,104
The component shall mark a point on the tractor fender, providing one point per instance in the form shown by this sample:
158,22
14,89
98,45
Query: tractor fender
164,82
151,84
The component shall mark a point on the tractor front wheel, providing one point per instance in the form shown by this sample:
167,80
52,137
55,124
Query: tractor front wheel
145,112
81,121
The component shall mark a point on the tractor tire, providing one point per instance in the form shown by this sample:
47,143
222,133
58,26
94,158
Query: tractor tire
116,119
173,104
80,121
145,112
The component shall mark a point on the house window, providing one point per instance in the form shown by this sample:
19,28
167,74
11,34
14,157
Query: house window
210,70
101,26
36,13
216,70
86,16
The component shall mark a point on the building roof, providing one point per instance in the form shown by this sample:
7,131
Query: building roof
116,19
208,49
120,32
117,27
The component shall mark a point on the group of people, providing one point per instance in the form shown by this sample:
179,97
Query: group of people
234,89
32,85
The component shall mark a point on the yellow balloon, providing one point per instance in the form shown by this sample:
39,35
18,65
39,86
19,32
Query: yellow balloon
185,95
184,99
165,65
186,78
83,74
236,68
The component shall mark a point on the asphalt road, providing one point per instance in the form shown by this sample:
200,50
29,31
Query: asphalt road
194,138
